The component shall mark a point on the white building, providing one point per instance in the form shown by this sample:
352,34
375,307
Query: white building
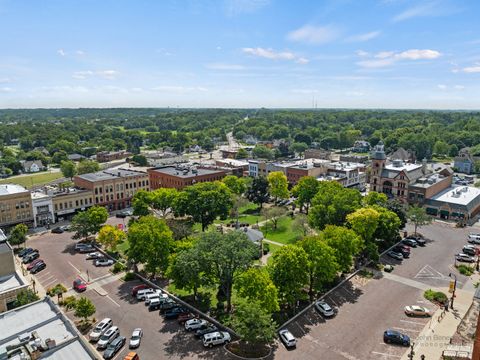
42,206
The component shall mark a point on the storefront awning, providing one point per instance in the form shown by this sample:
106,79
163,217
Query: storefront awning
431,211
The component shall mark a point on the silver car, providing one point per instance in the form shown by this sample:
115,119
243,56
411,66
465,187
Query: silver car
324,309
287,338
136,338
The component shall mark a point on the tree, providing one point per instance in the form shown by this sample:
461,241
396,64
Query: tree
204,202
60,156
298,147
332,204
186,271
278,185
258,191
68,168
418,216
375,198
305,191
441,148
262,152
25,297
321,264
235,184
18,235
365,222
224,257
140,160
345,243
399,209
253,323
150,243
141,202
110,236
300,225
237,202
274,214
241,154
163,200
255,284
88,222
87,167
181,228
289,271
84,308
388,227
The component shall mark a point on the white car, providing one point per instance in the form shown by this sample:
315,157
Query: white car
94,255
103,262
136,338
108,337
464,258
474,238
216,338
287,338
415,310
156,295
142,294
100,329
195,324
324,309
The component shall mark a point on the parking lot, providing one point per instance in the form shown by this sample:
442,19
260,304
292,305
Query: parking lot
111,296
367,307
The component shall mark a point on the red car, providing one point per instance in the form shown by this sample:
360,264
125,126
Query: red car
184,317
79,285
33,263
137,288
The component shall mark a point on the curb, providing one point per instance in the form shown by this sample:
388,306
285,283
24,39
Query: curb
245,358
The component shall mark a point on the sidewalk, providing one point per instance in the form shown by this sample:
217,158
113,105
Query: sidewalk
435,337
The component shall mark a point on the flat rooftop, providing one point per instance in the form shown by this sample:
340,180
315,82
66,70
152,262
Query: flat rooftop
48,322
185,172
345,166
9,282
403,167
461,195
110,175
10,189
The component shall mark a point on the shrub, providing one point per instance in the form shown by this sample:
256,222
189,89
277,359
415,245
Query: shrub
436,296
118,267
266,248
57,289
69,302
465,270
129,276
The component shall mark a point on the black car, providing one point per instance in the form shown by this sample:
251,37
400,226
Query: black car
57,230
27,259
404,252
114,347
167,305
205,330
25,251
395,337
175,312
38,267
410,242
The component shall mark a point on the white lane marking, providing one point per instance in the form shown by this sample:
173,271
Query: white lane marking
42,275
403,329
74,267
385,354
53,281
109,298
413,322
296,323
46,279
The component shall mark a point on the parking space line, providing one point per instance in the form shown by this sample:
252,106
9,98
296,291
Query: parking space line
50,282
45,279
403,329
385,354
42,275
303,331
74,267
413,322
109,298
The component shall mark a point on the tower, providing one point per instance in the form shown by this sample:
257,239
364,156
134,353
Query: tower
379,160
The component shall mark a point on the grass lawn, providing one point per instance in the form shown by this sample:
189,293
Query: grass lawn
123,247
284,233
249,214
28,181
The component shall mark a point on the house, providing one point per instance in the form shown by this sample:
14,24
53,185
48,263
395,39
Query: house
361,146
404,155
42,150
75,157
32,166
464,162
195,148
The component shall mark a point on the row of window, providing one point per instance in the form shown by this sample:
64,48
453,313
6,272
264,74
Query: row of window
22,215
119,187
69,205
22,205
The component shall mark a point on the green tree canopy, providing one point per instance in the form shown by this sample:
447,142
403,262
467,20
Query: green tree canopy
163,200
262,152
235,184
258,191
345,243
375,198
141,202
68,168
18,235
110,237
255,284
84,308
186,270
418,216
305,191
89,222
278,185
87,167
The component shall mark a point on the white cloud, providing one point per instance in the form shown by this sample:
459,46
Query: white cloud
86,74
428,8
472,69
305,91
5,80
81,75
354,93
361,53
314,34
80,52
237,7
459,87
442,86
275,55
108,74
6,90
179,89
363,37
223,66
386,58
61,52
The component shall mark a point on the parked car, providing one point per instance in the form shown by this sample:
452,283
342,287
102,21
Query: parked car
25,252
123,214
142,294
464,258
395,337
324,309
410,242
108,337
206,330
66,227
167,305
156,295
57,230
84,248
38,267
100,329
402,250
195,324
421,242
135,289
136,338
175,312
33,263
131,356
30,257
388,268
185,317
94,255
474,238
470,250
79,285
103,262
415,310
395,255
154,304
114,347
216,338
287,338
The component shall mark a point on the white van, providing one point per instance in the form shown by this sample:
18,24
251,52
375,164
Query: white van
474,238
216,338
150,297
142,294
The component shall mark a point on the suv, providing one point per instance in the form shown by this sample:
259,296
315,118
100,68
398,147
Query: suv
114,347
175,312
206,330
33,263
324,309
108,337
156,295
195,324
287,338
410,242
142,294
25,252
464,258
103,262
84,248
216,338
101,327
394,337
79,285
469,250
30,257
474,238
137,288
167,305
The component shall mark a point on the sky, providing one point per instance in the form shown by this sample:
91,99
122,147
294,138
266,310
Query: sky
414,54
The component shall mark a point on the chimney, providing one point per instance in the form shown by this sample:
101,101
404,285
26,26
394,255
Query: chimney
424,166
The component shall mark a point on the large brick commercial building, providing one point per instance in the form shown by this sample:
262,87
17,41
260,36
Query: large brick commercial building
15,205
180,177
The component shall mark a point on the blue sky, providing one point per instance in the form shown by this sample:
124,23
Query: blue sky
240,53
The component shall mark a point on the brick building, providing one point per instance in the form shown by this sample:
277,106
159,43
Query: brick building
15,205
106,156
113,188
179,177
11,283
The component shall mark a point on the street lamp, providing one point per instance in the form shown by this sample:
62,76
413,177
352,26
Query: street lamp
454,288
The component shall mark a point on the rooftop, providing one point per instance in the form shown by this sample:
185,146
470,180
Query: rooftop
9,282
110,175
428,181
186,172
10,189
399,165
346,166
461,195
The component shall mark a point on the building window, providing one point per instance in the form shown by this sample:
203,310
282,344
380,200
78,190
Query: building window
76,203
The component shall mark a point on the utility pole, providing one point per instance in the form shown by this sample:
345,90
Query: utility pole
454,288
